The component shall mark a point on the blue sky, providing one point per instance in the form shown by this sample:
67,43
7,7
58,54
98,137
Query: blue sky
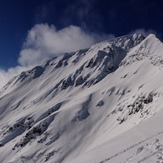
29,28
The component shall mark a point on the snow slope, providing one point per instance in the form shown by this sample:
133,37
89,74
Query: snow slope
102,104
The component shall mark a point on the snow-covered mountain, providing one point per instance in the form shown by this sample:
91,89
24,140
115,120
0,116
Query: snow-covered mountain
98,105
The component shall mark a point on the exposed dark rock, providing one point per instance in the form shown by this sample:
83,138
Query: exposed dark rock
100,103
149,99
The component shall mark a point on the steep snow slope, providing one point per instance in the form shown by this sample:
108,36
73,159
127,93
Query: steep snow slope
94,105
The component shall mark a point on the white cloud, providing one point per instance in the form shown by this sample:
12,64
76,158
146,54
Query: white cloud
44,41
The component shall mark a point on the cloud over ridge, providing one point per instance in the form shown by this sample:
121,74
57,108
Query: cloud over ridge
45,41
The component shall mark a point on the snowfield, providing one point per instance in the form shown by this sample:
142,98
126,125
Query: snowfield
98,105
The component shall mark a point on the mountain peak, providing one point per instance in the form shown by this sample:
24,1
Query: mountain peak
151,36
150,48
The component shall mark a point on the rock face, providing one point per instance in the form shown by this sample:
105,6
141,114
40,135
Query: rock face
75,107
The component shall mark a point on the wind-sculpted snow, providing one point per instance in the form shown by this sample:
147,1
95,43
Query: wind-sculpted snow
93,105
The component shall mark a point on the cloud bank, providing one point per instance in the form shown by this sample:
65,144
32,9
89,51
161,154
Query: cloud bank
44,42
